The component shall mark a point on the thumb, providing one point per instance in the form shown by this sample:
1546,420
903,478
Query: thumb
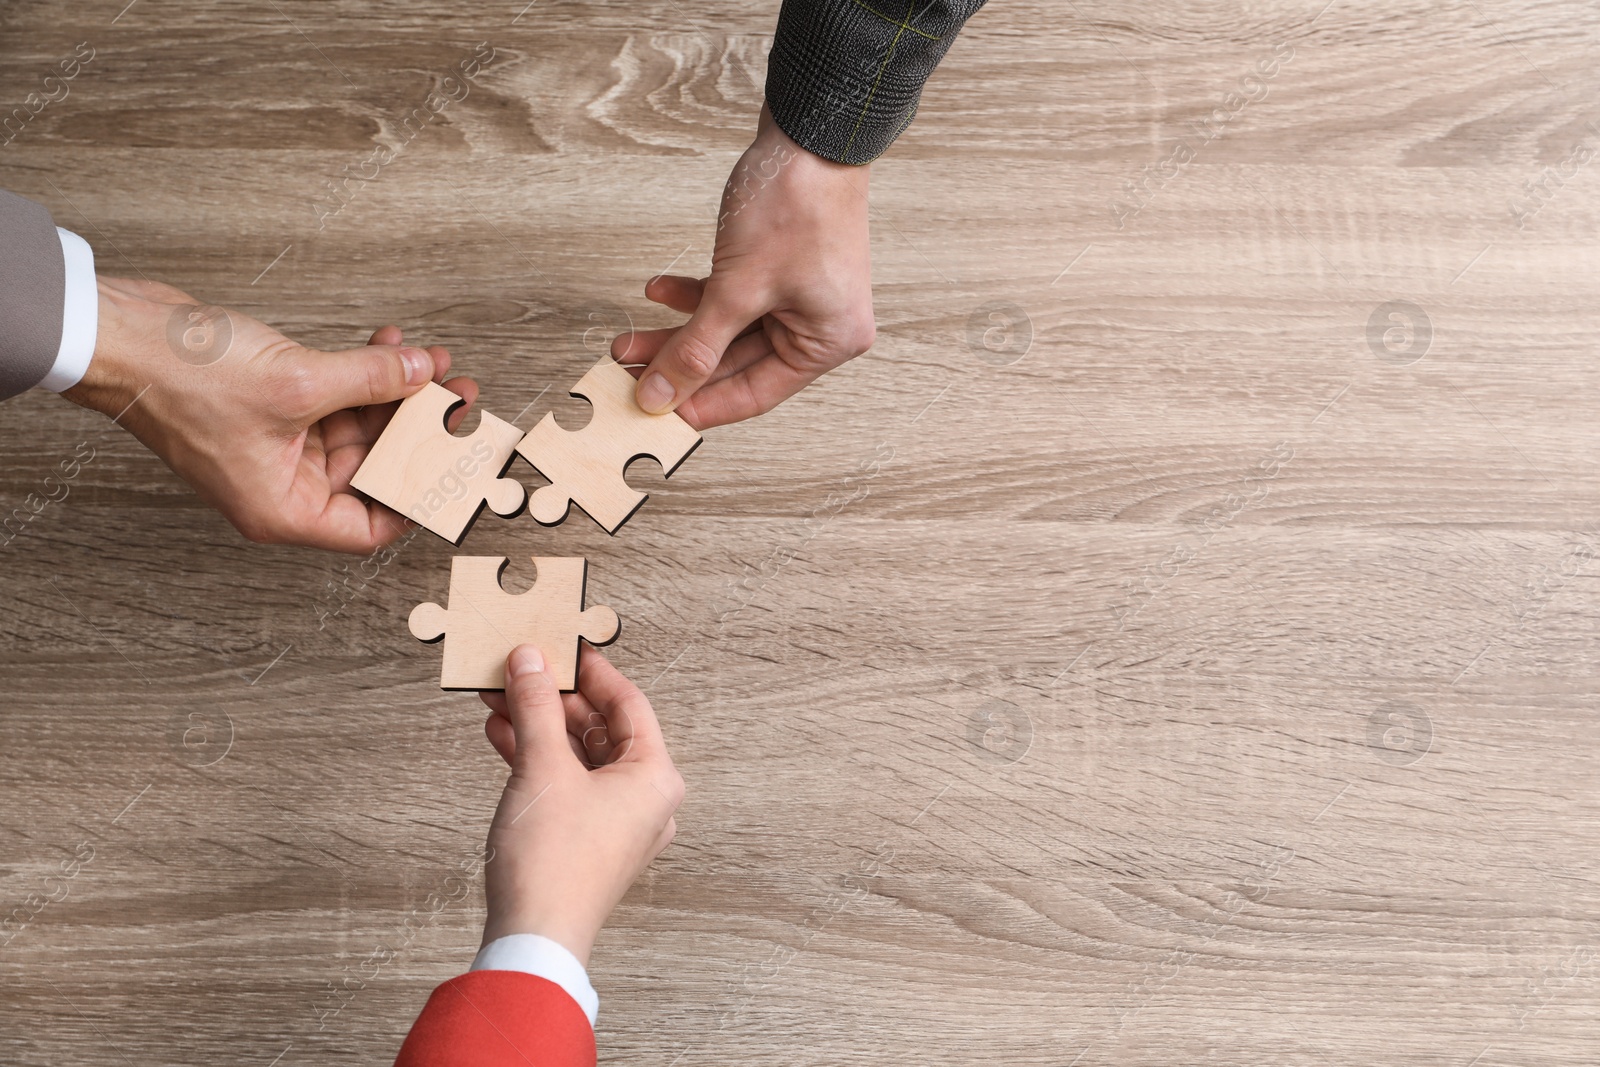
533,703
691,354
376,374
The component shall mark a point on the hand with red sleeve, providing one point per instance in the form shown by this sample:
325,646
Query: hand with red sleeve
589,804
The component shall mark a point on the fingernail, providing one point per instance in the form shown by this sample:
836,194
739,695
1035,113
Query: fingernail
655,394
419,365
525,660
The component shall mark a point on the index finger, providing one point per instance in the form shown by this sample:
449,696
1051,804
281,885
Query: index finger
632,727
753,390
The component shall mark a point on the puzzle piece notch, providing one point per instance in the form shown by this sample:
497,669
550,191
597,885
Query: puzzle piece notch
587,467
483,622
426,473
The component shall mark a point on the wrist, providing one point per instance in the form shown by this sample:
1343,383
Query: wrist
119,368
772,143
576,938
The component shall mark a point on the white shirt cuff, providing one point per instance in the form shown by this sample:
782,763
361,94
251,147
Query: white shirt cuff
537,955
80,315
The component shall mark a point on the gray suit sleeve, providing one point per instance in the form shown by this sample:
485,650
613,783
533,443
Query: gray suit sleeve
33,290
845,76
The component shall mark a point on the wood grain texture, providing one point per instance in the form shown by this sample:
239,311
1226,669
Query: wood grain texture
1173,643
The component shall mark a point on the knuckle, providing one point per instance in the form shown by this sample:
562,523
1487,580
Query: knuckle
675,789
696,357
861,333
255,528
382,377
298,390
536,689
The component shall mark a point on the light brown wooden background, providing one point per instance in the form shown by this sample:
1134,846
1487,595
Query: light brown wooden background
1027,710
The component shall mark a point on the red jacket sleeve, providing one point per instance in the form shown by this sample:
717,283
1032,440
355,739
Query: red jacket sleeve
499,1019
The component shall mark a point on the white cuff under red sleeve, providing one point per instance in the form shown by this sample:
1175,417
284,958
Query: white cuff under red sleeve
80,315
544,958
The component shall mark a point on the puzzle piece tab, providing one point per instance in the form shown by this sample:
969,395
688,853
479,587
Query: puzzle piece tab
484,622
586,466
432,476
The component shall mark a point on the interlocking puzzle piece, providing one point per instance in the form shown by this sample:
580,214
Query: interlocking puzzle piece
586,466
484,622
428,474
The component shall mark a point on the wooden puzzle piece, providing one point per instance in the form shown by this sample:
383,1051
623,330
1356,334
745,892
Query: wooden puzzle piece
432,476
586,466
484,622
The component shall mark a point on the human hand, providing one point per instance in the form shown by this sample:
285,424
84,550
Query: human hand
266,431
589,803
788,299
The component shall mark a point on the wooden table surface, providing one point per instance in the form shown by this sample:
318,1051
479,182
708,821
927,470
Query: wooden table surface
1173,643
